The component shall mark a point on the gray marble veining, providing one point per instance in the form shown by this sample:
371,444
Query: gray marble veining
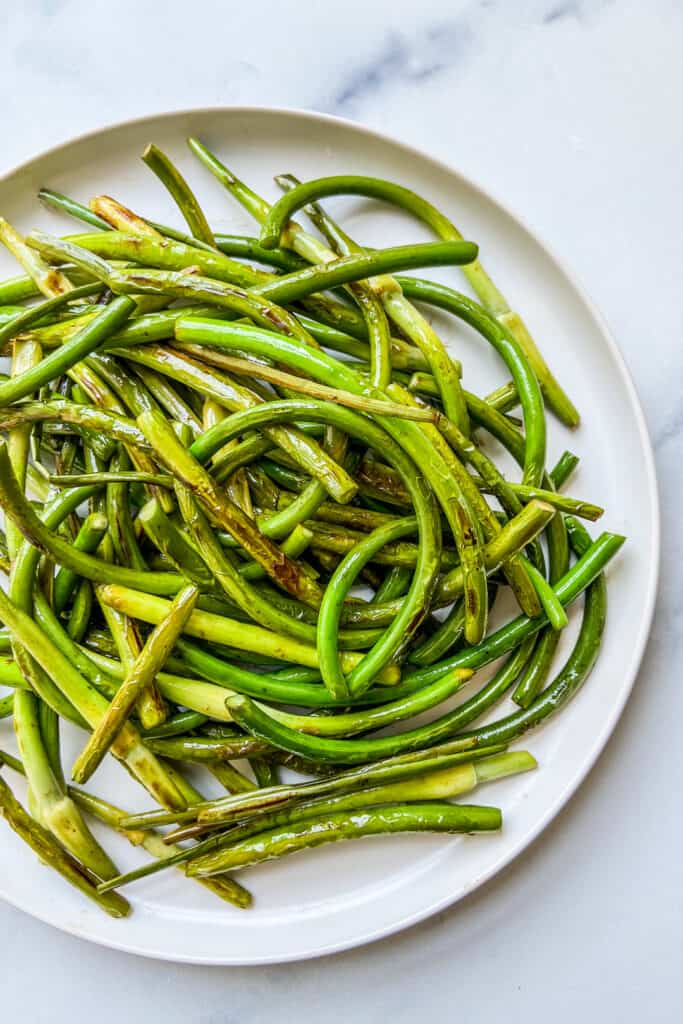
403,61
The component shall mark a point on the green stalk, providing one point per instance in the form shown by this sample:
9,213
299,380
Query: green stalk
185,199
510,350
87,539
241,806
64,204
284,290
87,701
448,490
281,212
89,338
174,544
399,310
306,452
51,853
81,610
225,888
228,577
108,814
566,465
142,674
151,709
19,323
224,512
127,746
227,632
120,522
444,784
83,416
103,396
534,676
461,447
204,699
576,669
245,367
54,808
555,613
352,722
118,216
412,613
207,749
95,569
562,502
169,399
25,355
293,546
379,333
589,566
448,633
47,280
36,727
339,825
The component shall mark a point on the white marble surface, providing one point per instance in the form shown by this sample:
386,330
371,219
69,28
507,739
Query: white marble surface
570,112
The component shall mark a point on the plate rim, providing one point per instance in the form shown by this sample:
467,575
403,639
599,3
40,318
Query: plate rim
603,735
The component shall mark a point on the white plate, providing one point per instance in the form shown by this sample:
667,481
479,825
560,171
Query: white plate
332,899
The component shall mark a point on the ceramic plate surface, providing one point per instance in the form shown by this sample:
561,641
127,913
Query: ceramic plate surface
339,897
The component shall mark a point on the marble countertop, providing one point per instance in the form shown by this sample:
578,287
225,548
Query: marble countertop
569,111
